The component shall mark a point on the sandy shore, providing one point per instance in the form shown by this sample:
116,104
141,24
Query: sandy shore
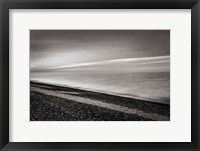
56,103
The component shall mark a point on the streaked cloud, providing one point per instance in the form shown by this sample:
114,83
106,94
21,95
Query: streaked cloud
59,48
145,60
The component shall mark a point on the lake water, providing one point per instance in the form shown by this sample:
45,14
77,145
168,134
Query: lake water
145,81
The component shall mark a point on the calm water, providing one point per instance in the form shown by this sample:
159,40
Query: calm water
149,82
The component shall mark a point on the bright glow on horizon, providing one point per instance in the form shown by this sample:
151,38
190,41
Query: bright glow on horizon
157,59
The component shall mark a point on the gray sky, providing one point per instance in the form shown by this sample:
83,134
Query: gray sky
55,48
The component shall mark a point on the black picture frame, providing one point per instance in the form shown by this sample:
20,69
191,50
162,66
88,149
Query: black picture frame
5,5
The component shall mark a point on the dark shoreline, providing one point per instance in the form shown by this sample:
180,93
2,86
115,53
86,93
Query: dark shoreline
51,108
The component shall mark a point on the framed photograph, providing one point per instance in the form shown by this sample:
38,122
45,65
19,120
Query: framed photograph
99,75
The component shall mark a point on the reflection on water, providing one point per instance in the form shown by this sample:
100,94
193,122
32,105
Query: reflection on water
149,82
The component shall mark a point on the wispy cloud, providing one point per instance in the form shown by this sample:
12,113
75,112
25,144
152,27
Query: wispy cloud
157,59
152,62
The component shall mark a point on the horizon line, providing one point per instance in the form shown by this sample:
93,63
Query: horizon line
118,60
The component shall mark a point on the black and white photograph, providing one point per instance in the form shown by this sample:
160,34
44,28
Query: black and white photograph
99,75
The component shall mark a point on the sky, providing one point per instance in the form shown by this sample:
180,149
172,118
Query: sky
51,49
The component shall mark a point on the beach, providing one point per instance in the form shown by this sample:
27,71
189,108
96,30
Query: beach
60,103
